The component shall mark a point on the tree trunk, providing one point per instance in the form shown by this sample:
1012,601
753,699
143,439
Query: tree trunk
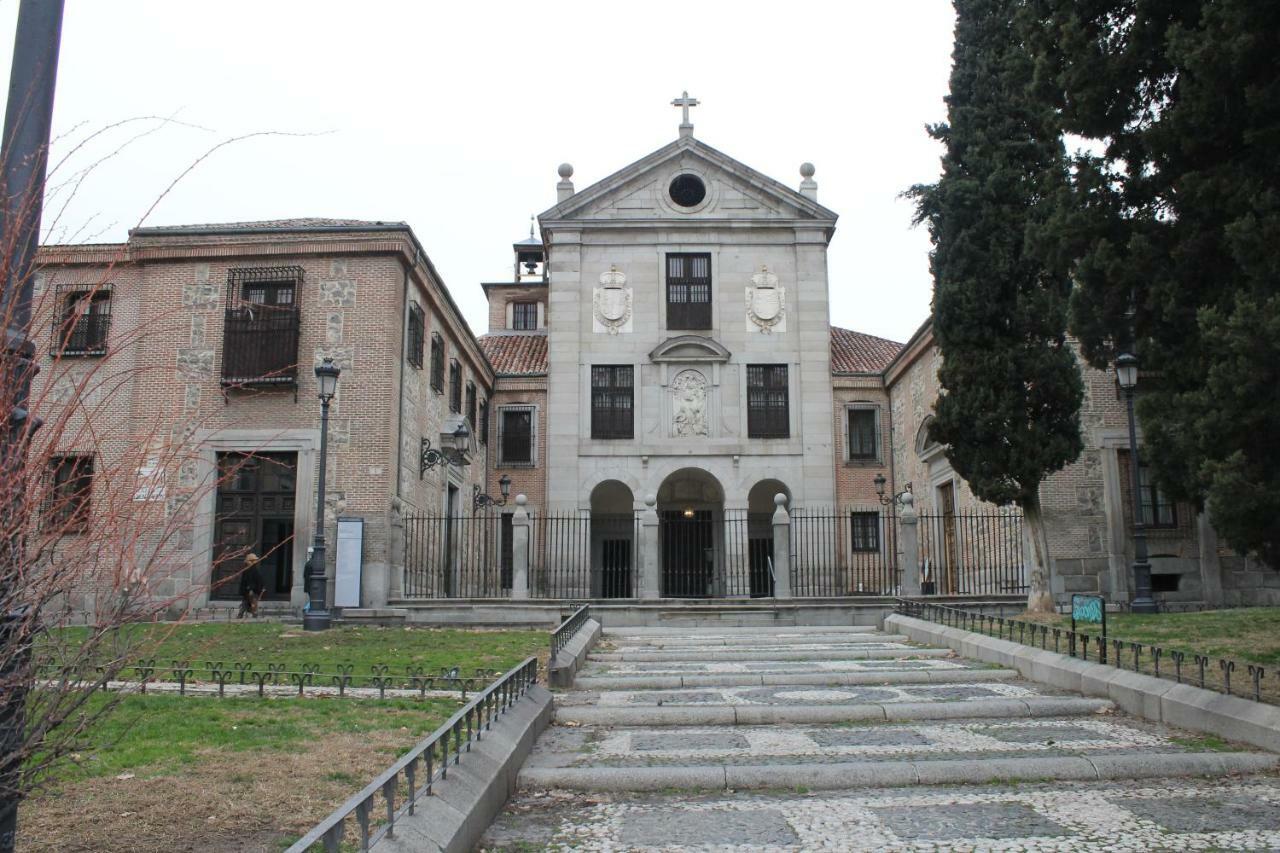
1036,553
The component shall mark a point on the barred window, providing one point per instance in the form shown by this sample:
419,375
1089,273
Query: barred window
70,488
455,386
524,316
864,531
612,401
437,362
688,291
1158,511
862,434
484,421
81,327
768,404
515,435
416,339
471,405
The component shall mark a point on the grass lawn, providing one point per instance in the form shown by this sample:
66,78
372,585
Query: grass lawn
173,773
1250,635
261,643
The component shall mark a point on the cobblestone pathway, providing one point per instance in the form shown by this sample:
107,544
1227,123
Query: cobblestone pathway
850,739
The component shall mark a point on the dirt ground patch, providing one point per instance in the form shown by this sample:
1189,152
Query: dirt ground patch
227,803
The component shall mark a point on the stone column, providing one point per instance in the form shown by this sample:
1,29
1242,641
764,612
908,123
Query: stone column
395,551
520,549
909,538
650,580
781,548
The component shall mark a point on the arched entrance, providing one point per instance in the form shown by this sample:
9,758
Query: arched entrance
691,509
760,509
613,541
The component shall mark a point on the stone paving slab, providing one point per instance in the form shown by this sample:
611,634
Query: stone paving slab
771,667
748,641
722,631
824,679
807,694
1238,814
897,651
958,740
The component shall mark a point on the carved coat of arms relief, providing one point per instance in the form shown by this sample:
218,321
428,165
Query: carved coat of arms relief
766,303
611,303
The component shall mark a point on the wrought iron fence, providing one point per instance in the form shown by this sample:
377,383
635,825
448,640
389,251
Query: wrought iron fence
456,557
854,552
584,555
414,774
1210,672
971,553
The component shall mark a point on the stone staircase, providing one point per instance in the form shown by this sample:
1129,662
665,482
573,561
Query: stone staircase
848,738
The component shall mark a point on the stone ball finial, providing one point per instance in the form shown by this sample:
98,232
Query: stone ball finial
521,500
907,499
651,501
807,170
780,499
565,170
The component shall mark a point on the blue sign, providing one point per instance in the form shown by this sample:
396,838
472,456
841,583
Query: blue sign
1088,608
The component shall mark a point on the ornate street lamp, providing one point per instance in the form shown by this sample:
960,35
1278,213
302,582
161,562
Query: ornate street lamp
1141,602
885,500
480,500
317,616
452,452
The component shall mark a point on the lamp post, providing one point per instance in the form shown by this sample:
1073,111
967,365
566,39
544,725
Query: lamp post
1141,602
885,500
480,500
317,617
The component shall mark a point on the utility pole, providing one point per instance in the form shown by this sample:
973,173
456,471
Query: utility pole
24,158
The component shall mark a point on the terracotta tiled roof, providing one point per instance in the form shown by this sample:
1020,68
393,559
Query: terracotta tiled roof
516,355
267,225
854,352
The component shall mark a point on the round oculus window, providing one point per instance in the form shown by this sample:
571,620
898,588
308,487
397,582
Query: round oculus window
688,190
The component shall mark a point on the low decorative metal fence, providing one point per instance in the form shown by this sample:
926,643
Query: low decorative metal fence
1211,672
414,775
972,553
247,677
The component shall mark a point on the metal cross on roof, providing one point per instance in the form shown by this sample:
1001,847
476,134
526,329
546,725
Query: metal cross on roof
684,102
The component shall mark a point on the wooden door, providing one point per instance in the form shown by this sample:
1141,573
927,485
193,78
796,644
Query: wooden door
254,513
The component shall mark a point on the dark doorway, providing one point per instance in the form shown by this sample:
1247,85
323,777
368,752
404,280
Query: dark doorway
254,513
760,554
688,553
613,576
450,542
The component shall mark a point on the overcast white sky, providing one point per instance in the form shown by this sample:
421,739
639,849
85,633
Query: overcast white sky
454,116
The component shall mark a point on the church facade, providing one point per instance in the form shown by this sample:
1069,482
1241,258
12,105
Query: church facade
663,349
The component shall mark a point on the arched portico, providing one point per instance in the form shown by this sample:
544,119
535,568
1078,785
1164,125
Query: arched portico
613,541
759,541
691,534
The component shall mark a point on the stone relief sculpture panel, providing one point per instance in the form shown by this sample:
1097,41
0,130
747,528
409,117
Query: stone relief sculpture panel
766,304
689,404
611,303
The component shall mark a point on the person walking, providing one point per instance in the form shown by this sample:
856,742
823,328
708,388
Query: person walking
251,586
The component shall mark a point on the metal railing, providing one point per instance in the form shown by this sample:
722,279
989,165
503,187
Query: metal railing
972,553
1210,672
584,555
854,552
82,335
260,345
418,770
458,557
565,632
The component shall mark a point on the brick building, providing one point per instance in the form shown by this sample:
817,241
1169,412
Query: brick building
664,345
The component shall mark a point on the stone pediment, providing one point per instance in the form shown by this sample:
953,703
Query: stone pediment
686,349
733,191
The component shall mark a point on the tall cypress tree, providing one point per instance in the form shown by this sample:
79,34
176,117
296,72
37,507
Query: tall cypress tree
1180,260
1009,411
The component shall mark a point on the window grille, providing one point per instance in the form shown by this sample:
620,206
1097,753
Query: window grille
484,421
70,490
864,531
1158,511
862,434
612,401
437,362
689,291
515,435
768,403
416,339
84,317
471,405
261,327
524,316
455,386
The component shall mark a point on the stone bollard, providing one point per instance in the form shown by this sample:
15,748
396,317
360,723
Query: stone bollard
650,586
781,548
909,537
520,549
